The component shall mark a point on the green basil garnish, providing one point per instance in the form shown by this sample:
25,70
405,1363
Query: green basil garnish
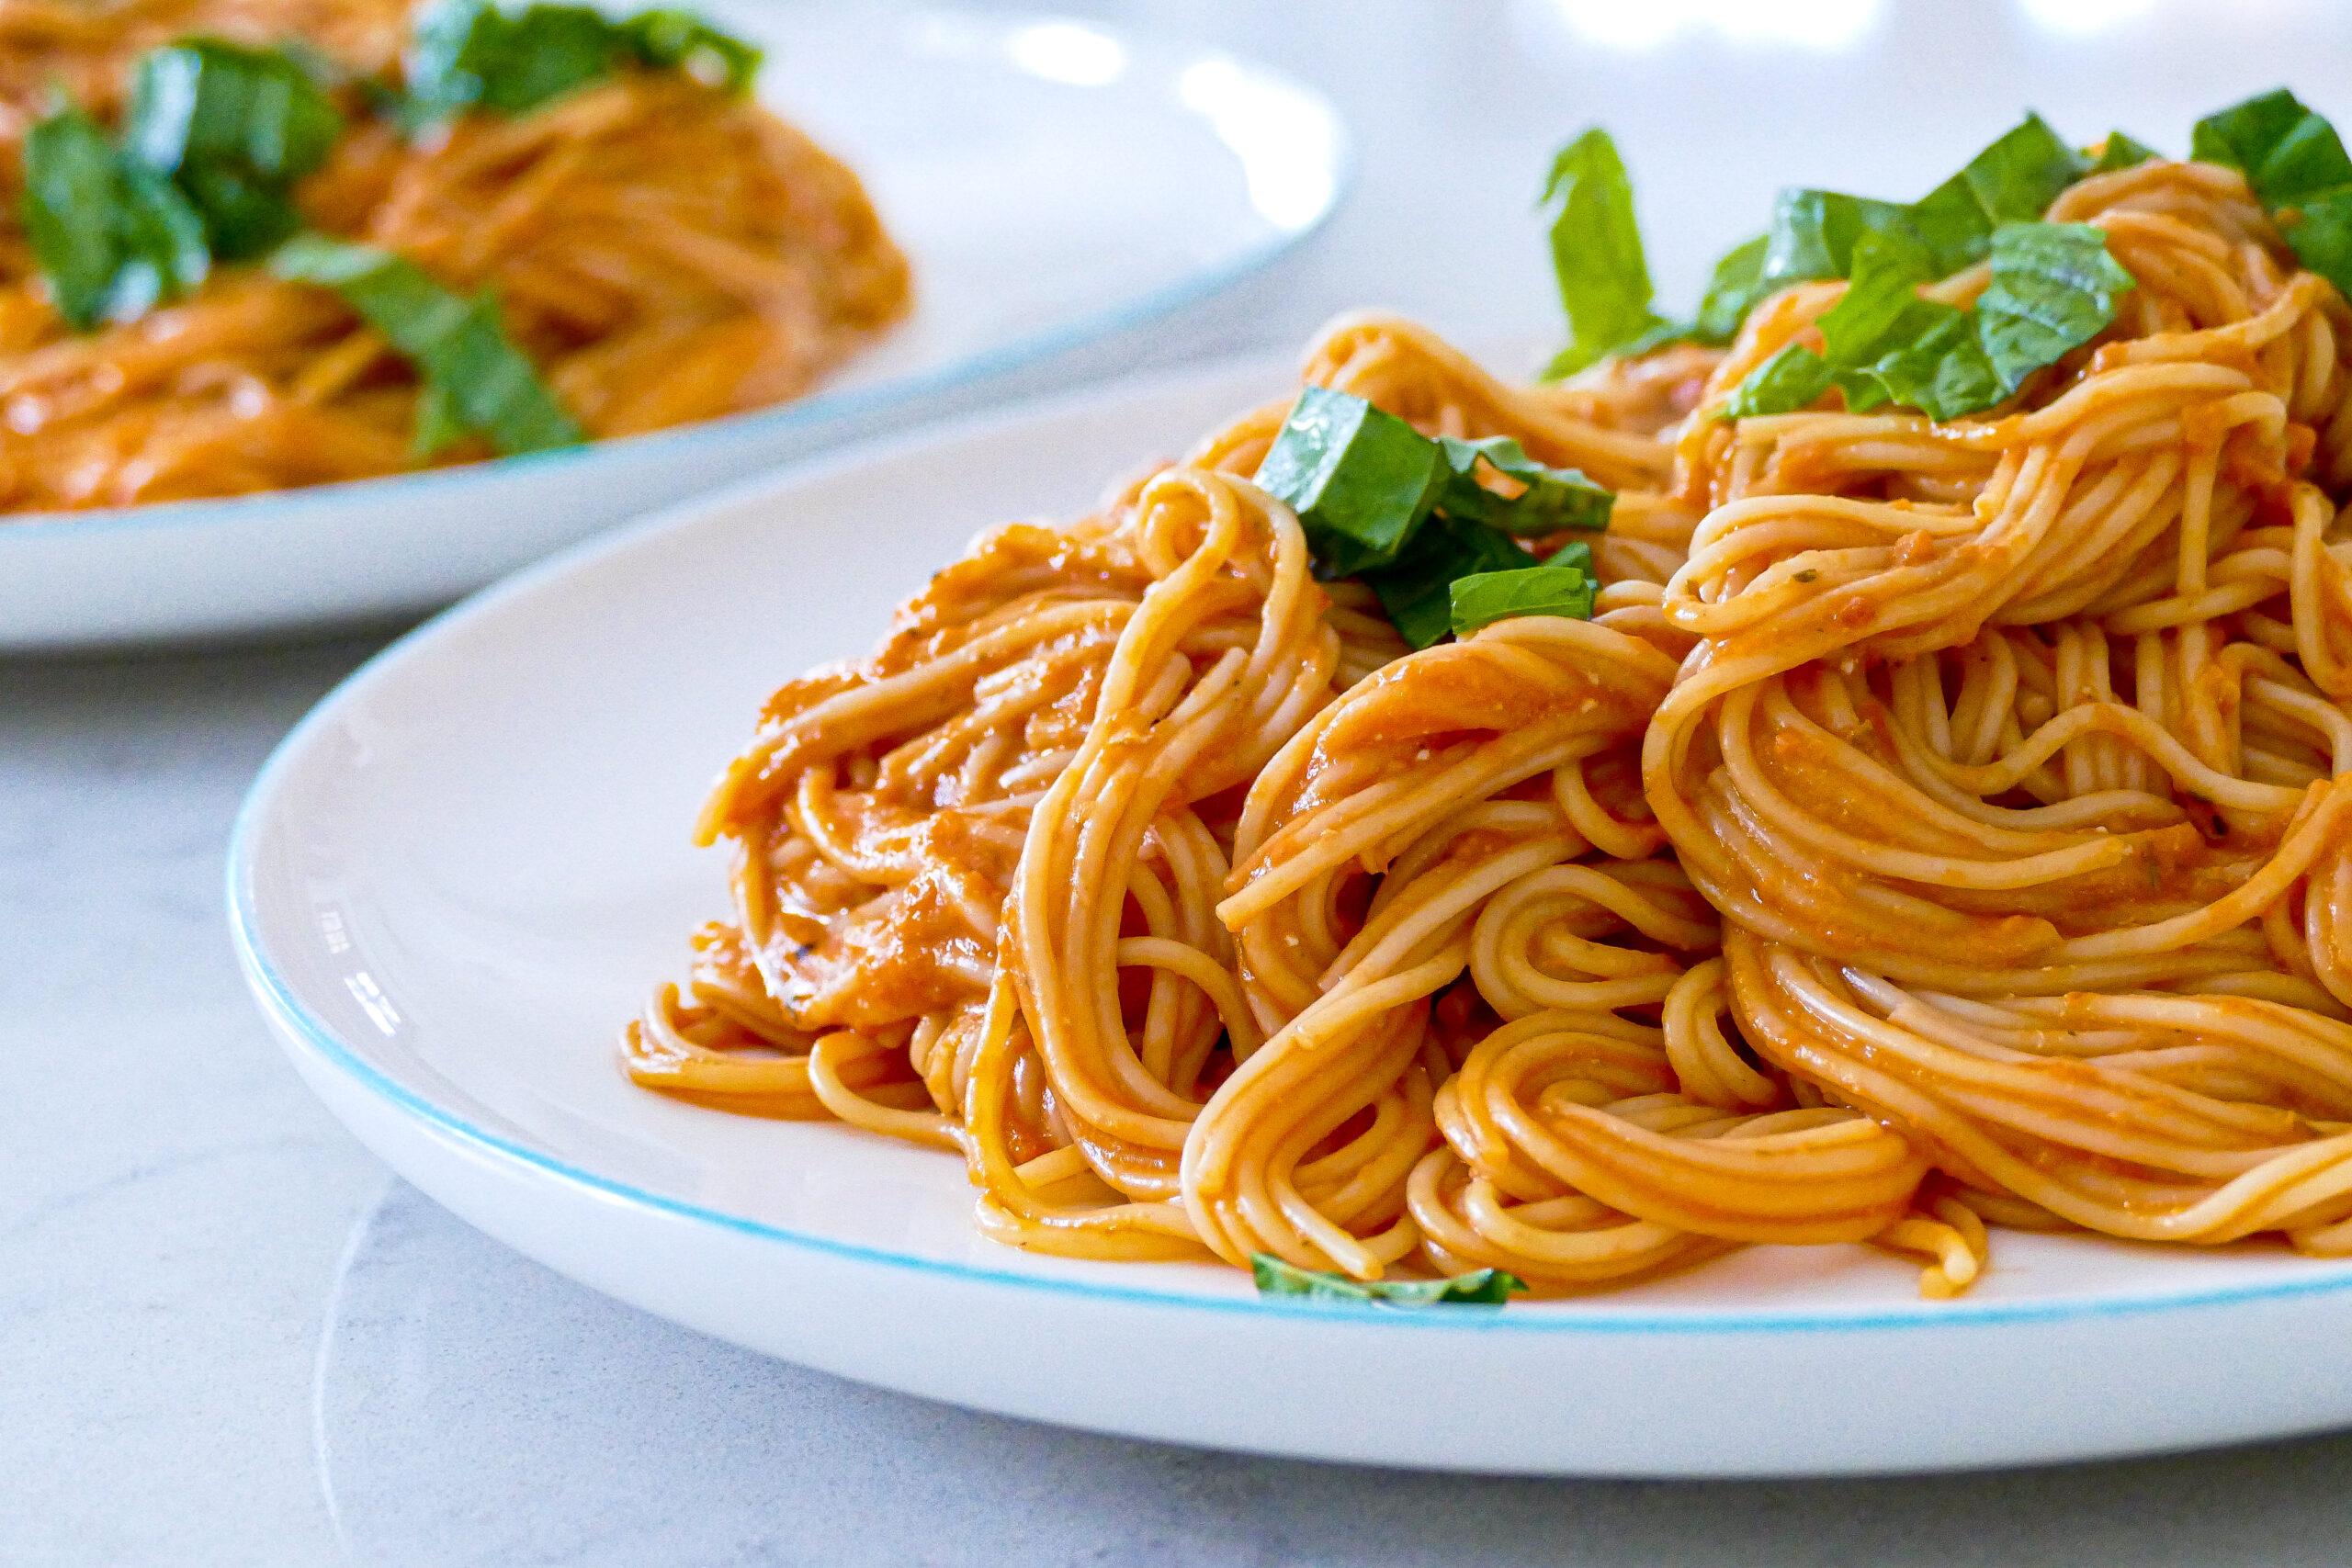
1381,502
1883,344
2118,152
113,237
1360,479
1596,261
470,54
1551,589
2055,288
1603,277
1480,1287
1813,233
679,40
1604,281
1793,378
1553,498
1416,592
474,379
234,128
215,139
1733,290
2013,180
2295,165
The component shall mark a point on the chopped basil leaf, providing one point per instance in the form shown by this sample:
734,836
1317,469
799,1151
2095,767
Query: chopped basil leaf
2295,165
1953,229
474,379
234,129
113,237
2321,235
242,218
1883,344
1553,498
1480,1287
1577,554
1416,591
1793,378
2023,170
1380,500
2054,286
1732,290
469,52
2118,152
1361,480
1814,231
1943,372
2053,289
1487,597
2288,153
1881,310
1596,261
2012,181
204,101
679,40
1604,280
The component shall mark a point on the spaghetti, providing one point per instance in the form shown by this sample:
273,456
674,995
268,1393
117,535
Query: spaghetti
661,250
1936,826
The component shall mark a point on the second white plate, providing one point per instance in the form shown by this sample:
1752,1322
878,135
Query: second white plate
462,873
1055,185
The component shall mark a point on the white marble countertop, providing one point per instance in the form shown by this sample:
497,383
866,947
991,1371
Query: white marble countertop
226,1337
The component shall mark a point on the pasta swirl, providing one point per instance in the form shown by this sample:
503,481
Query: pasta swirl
1937,826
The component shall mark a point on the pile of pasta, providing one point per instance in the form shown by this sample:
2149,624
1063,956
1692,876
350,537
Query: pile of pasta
1935,827
661,250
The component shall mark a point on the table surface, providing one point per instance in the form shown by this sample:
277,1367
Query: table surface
229,1337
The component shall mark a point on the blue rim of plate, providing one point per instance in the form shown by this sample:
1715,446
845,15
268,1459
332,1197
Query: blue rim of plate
814,410
283,1003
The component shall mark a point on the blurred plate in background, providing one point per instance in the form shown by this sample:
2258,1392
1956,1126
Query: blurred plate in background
1056,185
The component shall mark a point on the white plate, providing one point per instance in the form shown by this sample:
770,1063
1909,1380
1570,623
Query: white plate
1053,184
460,875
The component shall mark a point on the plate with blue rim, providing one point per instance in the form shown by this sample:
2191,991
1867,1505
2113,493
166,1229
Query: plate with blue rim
459,876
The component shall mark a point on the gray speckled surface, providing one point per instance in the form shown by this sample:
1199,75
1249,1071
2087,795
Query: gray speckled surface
175,1211
478,1411
172,1204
